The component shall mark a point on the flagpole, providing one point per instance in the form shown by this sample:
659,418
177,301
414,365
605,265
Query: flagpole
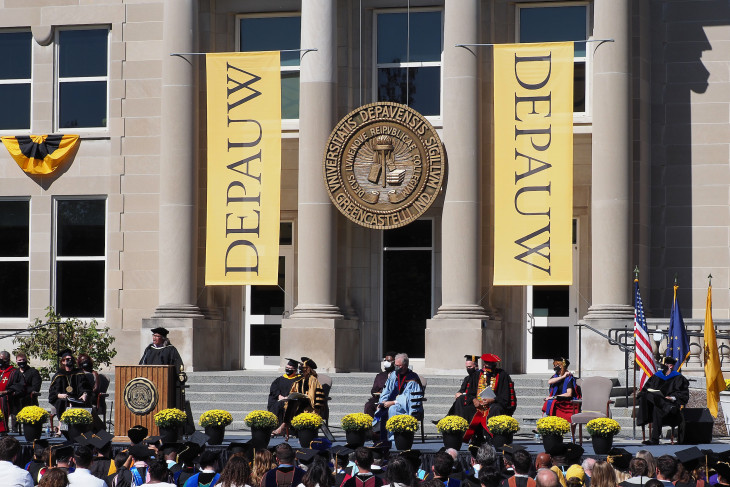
633,412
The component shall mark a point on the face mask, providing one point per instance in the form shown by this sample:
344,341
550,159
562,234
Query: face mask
387,364
470,370
22,365
67,362
4,363
290,371
86,366
665,369
397,368
556,369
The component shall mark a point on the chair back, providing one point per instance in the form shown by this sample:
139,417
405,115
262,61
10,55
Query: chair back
596,394
326,382
417,400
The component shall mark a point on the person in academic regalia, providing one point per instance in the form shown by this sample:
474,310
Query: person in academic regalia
160,351
281,387
39,461
379,383
464,398
397,396
563,390
661,398
69,384
25,385
7,372
307,384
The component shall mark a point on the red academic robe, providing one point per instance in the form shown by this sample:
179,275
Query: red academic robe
5,376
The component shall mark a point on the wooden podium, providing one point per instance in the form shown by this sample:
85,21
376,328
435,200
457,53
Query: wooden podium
143,381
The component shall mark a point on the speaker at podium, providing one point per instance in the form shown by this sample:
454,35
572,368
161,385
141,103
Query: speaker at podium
141,391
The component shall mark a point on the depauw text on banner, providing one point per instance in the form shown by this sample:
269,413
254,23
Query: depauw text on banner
533,174
244,168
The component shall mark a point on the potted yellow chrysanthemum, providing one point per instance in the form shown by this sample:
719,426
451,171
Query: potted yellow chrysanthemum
215,422
262,423
78,421
452,429
602,431
356,426
503,428
552,429
169,422
307,425
32,419
403,427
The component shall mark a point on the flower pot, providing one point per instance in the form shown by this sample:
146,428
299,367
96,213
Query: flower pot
452,439
306,435
501,439
75,430
602,444
403,440
552,442
169,434
32,431
260,437
356,438
216,434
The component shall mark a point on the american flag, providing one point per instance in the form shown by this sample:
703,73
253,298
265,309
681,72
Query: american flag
644,355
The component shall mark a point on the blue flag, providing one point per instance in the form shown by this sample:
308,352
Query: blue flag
678,341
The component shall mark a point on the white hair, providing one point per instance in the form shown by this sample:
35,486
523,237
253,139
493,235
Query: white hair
403,357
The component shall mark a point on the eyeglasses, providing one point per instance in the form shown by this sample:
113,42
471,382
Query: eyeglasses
156,336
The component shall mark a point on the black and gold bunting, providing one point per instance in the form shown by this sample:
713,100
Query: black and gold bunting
40,154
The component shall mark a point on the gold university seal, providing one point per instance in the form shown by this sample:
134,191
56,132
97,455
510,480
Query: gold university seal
384,165
140,396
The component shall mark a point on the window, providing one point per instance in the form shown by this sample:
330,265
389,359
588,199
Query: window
560,23
83,78
14,257
277,33
15,79
408,59
80,252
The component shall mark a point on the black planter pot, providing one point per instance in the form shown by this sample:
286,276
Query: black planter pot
216,434
356,438
170,434
501,439
452,440
32,431
260,437
403,440
602,444
306,436
552,442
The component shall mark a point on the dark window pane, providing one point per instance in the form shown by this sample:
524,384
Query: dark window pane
422,86
269,300
549,342
579,87
290,95
80,288
15,103
415,234
286,233
14,223
425,37
555,299
406,300
80,227
82,104
549,24
14,285
15,52
272,34
82,53
265,340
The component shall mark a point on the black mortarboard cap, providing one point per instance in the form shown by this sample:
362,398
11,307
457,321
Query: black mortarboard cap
188,452
380,449
472,358
689,455
556,449
305,455
160,331
137,433
140,451
509,450
154,441
40,445
63,451
100,439
199,438
341,451
82,439
669,360
292,362
473,449
236,447
309,362
64,352
573,452
413,457
619,458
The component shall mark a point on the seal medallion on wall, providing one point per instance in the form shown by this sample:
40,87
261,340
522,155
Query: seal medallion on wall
140,396
384,165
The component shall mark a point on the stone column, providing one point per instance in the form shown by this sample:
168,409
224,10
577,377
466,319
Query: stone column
317,328
178,310
460,318
611,184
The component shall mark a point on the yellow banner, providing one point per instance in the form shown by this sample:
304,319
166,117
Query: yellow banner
533,174
244,168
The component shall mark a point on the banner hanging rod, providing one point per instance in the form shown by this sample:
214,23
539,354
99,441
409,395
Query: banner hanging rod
204,53
499,44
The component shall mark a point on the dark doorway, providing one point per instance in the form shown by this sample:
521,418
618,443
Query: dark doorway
407,283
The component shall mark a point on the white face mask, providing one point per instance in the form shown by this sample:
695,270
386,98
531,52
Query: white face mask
387,364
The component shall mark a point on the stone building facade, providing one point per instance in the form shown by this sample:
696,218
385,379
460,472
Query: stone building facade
119,232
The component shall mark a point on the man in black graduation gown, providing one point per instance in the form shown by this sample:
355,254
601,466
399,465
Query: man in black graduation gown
379,383
160,351
281,387
25,385
69,385
661,399
464,398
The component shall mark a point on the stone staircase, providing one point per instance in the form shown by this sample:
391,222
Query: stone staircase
241,392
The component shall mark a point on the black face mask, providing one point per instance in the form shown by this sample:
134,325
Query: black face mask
556,369
4,363
290,371
22,365
68,363
665,369
470,370
86,366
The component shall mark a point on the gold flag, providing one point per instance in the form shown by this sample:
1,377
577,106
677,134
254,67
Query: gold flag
533,174
41,154
244,168
713,372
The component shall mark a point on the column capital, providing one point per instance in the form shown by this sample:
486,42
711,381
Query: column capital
610,312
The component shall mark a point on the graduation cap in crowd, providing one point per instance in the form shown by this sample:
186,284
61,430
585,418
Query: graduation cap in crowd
199,438
82,439
137,433
472,358
305,455
38,447
100,439
160,331
320,444
380,449
341,451
490,357
309,362
291,362
155,441
690,457
237,447
508,451
171,447
619,458
568,454
61,453
141,451
413,457
473,449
